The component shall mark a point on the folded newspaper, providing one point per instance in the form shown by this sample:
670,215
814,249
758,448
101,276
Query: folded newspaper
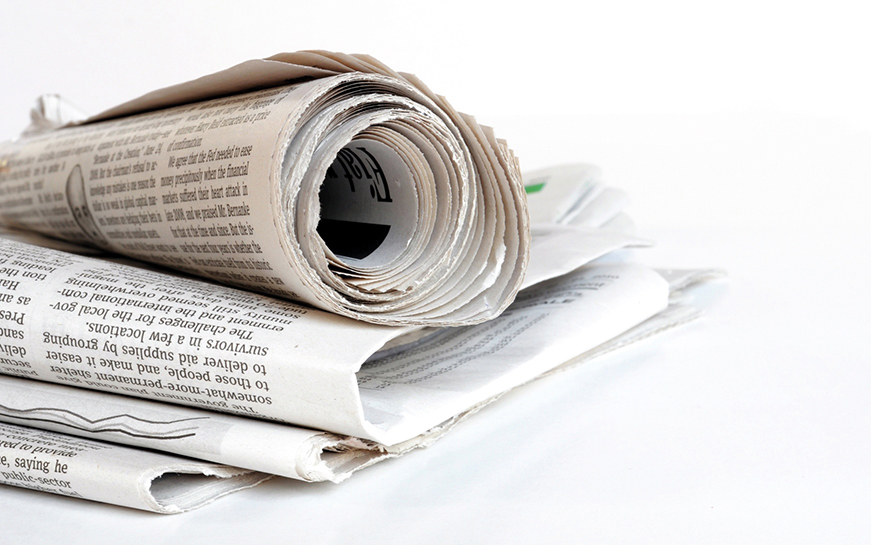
380,239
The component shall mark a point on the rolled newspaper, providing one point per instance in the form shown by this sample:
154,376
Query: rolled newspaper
320,177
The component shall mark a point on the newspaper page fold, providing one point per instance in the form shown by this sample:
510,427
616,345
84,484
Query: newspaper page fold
269,447
97,324
93,470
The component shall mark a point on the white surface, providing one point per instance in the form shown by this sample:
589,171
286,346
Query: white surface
748,426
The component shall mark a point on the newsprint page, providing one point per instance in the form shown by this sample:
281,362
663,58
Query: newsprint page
299,266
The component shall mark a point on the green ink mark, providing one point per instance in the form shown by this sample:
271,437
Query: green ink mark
534,188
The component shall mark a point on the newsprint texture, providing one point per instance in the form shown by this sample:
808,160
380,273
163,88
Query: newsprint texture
299,266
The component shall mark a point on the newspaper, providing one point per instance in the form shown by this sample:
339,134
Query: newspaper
109,326
73,325
359,213
268,447
265,446
82,468
343,185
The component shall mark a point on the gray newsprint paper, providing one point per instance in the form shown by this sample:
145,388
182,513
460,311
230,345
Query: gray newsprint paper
343,185
98,324
93,470
375,240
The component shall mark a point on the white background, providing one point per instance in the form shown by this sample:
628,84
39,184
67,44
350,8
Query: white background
743,133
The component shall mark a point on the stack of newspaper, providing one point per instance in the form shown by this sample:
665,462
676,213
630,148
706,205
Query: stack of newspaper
371,270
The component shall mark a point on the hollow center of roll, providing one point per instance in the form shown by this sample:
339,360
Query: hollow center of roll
368,205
